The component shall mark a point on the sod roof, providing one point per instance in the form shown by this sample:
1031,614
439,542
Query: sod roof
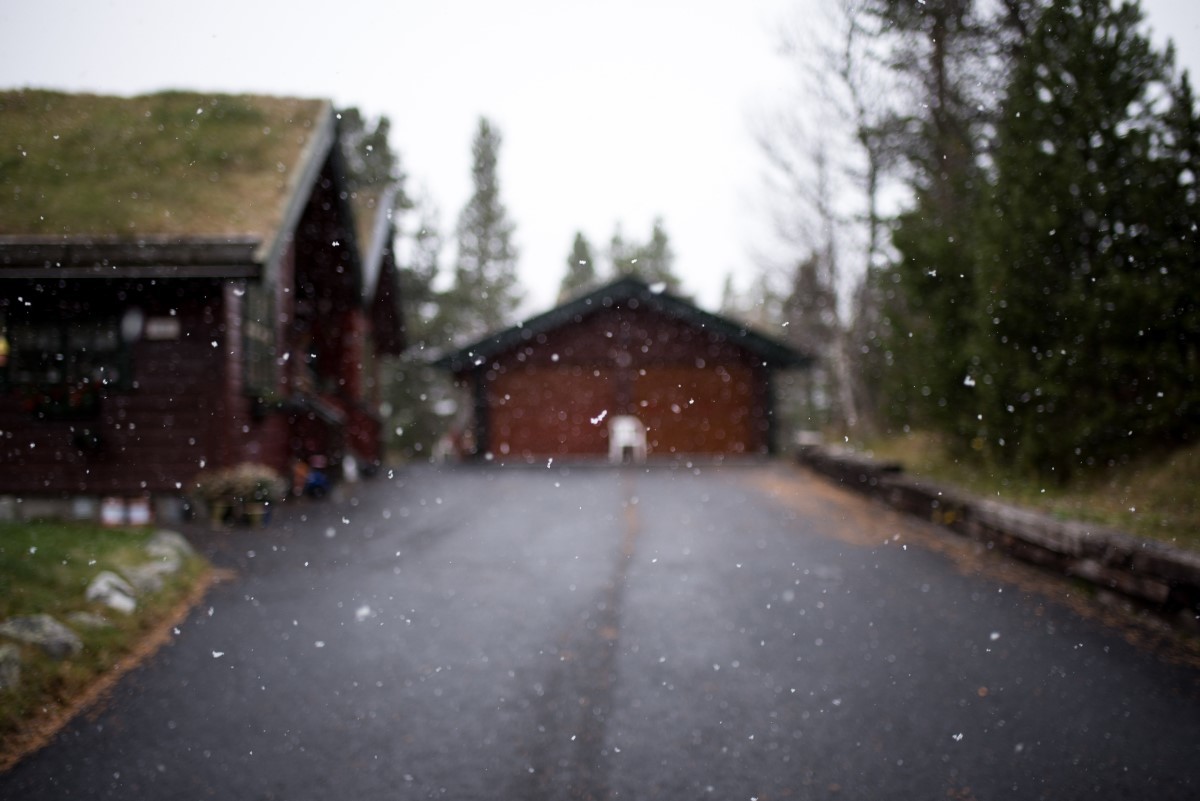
175,164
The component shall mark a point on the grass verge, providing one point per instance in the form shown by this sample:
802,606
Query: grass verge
45,567
1155,496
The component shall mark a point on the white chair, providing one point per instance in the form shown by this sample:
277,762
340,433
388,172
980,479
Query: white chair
626,440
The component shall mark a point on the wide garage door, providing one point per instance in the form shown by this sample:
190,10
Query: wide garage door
557,411
549,411
701,411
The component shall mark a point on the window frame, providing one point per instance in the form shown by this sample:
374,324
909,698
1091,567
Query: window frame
260,343
72,364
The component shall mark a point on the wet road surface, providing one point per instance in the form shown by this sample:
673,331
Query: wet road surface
593,633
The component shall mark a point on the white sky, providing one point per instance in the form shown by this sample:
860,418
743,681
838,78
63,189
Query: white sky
612,112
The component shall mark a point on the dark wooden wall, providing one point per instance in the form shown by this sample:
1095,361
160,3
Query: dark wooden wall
556,393
148,437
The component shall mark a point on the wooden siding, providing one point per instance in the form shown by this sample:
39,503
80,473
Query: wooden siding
153,436
550,411
364,435
716,409
554,395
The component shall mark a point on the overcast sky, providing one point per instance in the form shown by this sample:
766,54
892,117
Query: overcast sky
612,112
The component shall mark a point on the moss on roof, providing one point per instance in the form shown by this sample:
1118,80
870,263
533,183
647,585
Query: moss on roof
173,163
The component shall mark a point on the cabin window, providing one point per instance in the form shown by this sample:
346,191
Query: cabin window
63,366
56,352
258,329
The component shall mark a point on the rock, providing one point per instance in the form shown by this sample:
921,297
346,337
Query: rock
45,632
164,559
144,578
88,620
164,541
10,666
113,591
167,551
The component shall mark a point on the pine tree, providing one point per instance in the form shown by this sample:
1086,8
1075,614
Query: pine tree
486,291
940,45
811,307
621,254
810,310
581,273
656,260
426,326
732,304
1174,409
1069,295
370,162
652,262
867,335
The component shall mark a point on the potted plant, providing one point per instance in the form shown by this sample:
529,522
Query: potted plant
243,492
256,487
210,489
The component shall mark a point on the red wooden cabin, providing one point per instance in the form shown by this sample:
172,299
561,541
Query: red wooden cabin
231,312
697,382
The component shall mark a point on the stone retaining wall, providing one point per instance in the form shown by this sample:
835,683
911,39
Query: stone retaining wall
1156,575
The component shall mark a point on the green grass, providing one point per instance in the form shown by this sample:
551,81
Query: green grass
46,567
169,163
1156,496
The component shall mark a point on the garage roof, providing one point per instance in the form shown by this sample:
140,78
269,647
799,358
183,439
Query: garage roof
773,353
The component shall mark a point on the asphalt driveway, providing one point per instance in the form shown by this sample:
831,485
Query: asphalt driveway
561,632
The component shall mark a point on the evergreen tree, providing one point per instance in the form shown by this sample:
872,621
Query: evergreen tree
367,155
932,316
425,323
652,262
732,304
656,260
811,307
867,337
621,254
1070,304
939,49
759,306
581,272
764,305
412,388
810,311
1176,344
486,292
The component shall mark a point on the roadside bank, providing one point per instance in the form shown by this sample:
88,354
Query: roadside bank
1119,567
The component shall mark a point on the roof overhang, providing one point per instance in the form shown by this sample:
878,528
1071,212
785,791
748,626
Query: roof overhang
29,257
378,235
320,409
317,150
620,293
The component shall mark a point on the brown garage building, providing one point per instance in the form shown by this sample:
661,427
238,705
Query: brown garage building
556,384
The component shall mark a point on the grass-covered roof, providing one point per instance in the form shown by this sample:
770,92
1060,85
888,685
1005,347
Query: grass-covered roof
175,163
